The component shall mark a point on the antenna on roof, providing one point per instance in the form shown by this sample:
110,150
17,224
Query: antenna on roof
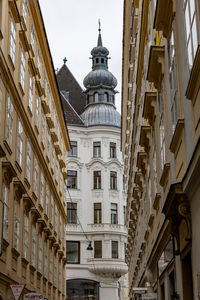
99,26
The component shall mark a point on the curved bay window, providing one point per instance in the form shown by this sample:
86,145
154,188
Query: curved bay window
82,289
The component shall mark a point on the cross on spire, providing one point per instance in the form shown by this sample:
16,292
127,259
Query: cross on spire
64,60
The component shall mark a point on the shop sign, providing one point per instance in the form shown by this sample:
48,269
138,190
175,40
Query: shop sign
33,296
150,296
17,290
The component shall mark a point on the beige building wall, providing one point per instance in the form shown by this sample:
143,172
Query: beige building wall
33,146
160,142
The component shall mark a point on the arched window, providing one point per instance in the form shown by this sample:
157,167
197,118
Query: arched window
97,60
95,97
106,97
112,99
102,60
88,99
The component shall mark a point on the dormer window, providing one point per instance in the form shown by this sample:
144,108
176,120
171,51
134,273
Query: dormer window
95,97
106,97
97,60
102,60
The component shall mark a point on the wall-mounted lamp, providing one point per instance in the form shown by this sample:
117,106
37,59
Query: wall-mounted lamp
90,246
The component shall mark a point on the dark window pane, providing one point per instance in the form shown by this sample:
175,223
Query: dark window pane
97,249
73,252
72,213
97,179
97,213
113,180
73,151
112,150
97,149
114,249
72,179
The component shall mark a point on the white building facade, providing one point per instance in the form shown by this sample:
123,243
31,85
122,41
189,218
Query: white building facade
96,202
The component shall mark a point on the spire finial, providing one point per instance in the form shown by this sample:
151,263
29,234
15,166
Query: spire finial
64,60
99,26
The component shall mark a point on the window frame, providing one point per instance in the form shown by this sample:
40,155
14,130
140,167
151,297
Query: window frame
98,248
113,150
96,149
72,212
97,179
76,250
73,151
114,250
114,213
97,213
113,180
72,176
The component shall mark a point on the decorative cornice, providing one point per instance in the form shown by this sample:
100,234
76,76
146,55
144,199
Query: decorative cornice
104,164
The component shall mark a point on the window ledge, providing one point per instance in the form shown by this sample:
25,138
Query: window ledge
7,147
164,174
24,261
15,252
156,201
176,135
192,87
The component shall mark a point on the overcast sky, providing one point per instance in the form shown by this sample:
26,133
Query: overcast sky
72,31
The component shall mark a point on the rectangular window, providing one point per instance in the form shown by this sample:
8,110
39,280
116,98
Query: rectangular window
97,149
35,177
51,210
55,270
50,265
45,259
114,213
48,143
42,189
47,200
28,161
33,247
37,112
52,157
112,150
124,213
43,129
38,59
114,249
24,10
56,218
16,224
40,253
9,122
12,40
161,126
97,213
72,179
173,82
73,151
22,69
44,80
26,237
59,275
30,93
19,143
57,169
97,180
72,212
191,30
113,180
73,252
6,203
32,37
97,249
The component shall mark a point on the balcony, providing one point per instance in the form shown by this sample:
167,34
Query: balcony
145,137
107,227
164,16
149,111
155,67
106,267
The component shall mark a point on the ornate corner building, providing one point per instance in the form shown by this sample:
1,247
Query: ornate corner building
33,146
96,202
161,145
